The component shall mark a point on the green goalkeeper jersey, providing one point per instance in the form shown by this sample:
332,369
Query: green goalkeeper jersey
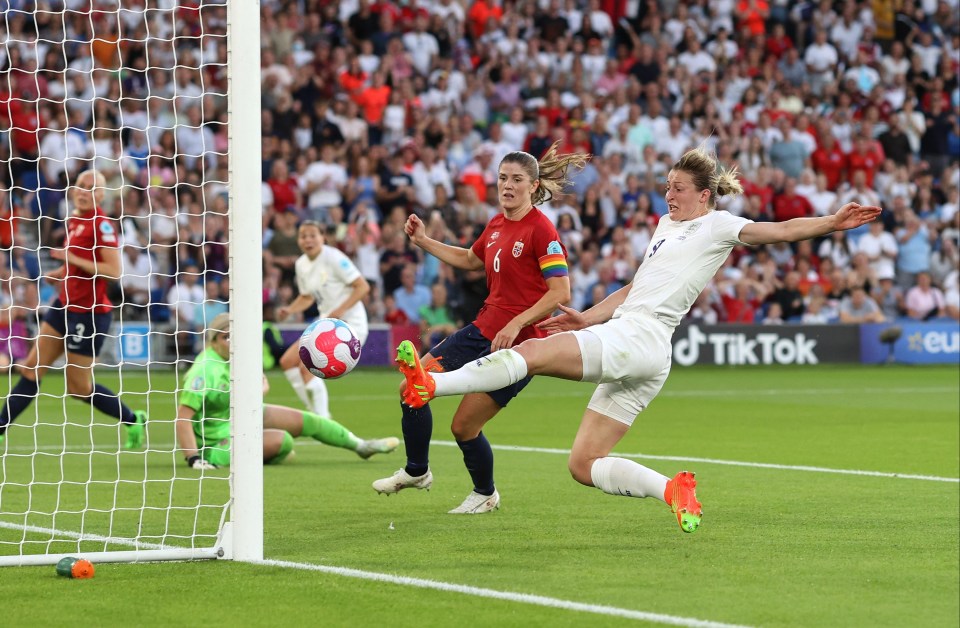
206,389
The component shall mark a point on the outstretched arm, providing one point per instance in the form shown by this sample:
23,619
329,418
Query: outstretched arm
572,320
359,289
849,216
186,439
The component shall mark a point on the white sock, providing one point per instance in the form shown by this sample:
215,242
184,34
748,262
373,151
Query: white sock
489,373
296,380
321,400
618,476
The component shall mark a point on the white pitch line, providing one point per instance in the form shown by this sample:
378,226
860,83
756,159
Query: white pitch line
731,463
421,583
166,448
509,596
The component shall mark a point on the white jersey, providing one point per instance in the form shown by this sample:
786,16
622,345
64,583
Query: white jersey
680,259
327,279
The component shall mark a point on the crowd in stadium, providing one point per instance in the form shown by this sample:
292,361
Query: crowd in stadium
373,111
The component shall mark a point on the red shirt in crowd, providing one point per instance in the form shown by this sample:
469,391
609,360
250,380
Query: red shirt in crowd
753,14
831,162
352,83
284,193
478,15
87,234
739,311
777,46
868,161
373,101
518,256
765,192
787,206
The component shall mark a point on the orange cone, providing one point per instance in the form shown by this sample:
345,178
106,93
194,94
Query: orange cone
83,568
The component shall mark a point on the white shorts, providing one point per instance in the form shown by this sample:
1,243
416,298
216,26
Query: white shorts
635,363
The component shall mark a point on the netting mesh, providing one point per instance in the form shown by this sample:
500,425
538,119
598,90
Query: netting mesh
136,91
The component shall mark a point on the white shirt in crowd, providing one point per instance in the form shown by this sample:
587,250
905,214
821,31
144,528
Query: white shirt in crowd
331,177
184,300
423,48
881,249
820,58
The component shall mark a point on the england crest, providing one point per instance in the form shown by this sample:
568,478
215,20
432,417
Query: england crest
517,248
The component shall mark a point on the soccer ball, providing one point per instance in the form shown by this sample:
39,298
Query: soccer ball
329,348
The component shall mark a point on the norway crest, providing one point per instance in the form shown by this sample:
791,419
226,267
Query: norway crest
517,248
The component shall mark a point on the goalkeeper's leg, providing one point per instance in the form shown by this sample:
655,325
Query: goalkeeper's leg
277,446
327,431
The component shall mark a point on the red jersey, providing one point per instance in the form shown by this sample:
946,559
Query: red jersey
518,256
869,162
832,163
86,235
787,206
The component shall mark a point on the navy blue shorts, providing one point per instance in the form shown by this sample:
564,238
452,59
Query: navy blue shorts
83,332
466,345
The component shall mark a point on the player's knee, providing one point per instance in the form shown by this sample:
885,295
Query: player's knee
81,391
464,430
579,468
531,351
280,451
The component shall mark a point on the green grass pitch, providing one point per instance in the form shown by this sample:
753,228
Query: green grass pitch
784,541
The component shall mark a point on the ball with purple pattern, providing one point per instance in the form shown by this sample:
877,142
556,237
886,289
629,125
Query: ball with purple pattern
329,348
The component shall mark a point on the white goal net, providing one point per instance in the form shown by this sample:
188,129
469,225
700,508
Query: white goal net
139,92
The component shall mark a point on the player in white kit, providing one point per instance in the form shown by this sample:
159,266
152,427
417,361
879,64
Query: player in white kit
327,277
623,343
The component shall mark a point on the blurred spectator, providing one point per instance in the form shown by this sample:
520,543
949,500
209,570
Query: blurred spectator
880,247
137,279
395,259
323,183
914,254
888,295
393,315
282,250
436,319
951,298
411,296
184,299
396,187
286,193
787,153
859,308
214,302
924,300
773,316
788,204
606,284
789,297
741,300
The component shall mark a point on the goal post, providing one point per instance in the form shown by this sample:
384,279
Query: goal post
116,88
246,523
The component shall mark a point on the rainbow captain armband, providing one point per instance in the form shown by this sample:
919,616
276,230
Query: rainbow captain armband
553,264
